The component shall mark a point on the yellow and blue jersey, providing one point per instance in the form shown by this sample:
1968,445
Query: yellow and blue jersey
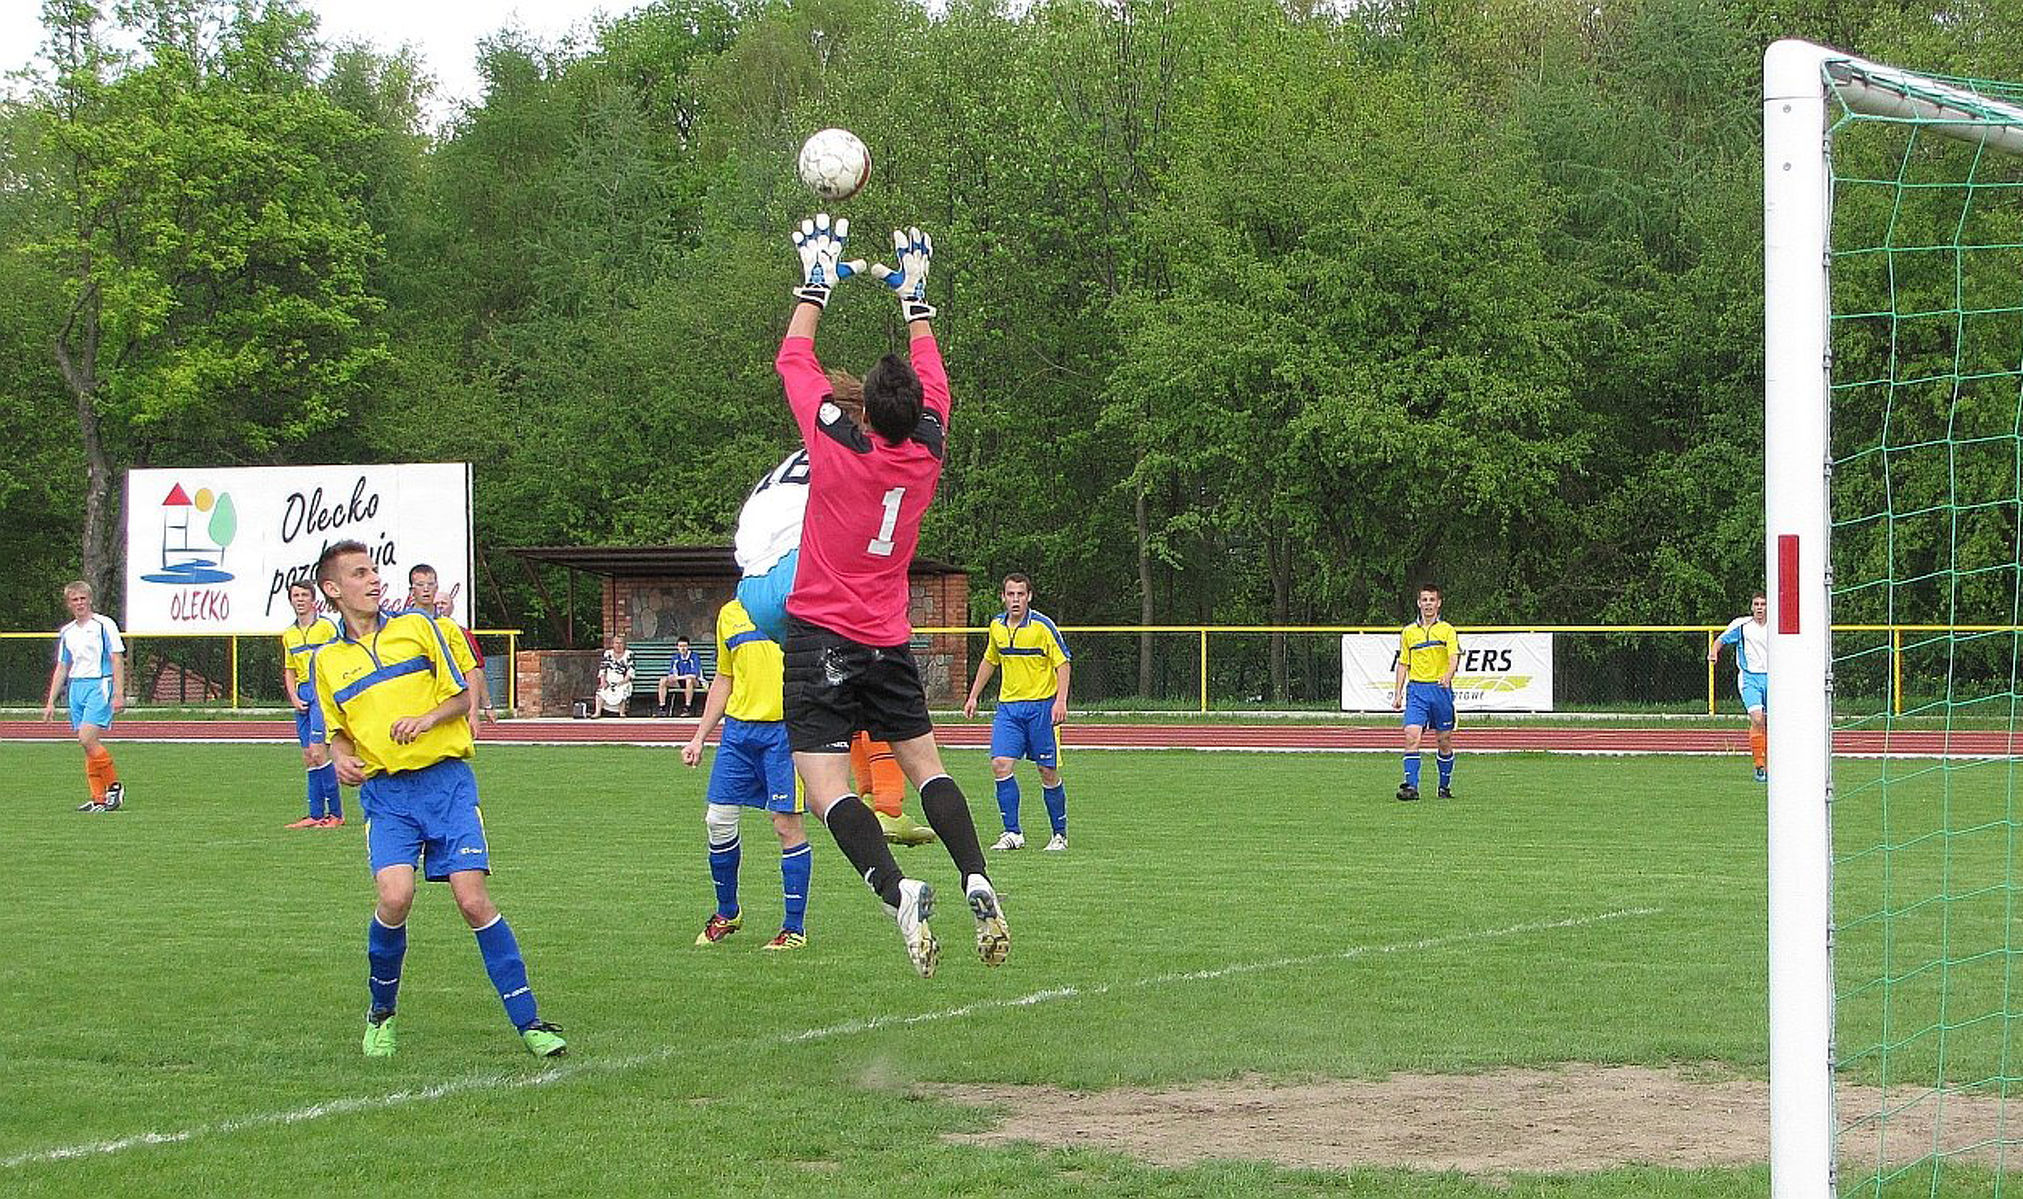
298,642
1027,654
406,667
1428,650
756,664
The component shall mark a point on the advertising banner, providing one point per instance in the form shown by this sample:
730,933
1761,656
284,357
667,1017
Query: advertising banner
213,549
1499,672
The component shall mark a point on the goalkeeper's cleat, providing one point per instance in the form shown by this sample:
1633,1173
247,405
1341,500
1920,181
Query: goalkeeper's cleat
1762,775
916,906
115,795
1058,843
379,1034
1407,791
719,927
993,936
544,1039
306,822
1446,793
787,939
1010,840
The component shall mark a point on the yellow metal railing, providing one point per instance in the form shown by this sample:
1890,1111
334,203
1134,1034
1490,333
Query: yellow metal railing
1710,632
1902,641
512,637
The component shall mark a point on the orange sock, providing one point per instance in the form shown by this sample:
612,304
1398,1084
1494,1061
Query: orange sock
1759,746
877,774
99,773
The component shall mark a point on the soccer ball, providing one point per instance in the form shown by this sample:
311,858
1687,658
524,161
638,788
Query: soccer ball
835,164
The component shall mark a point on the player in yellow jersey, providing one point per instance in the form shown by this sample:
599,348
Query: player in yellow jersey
299,641
753,769
1429,651
1032,700
394,696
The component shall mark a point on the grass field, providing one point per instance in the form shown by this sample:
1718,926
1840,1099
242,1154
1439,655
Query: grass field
183,982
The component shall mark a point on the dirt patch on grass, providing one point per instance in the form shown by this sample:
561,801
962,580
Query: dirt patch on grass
1573,1119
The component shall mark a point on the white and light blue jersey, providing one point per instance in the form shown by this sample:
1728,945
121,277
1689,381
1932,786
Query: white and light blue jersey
1752,644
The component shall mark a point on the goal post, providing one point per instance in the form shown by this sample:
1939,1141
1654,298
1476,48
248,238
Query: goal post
1809,91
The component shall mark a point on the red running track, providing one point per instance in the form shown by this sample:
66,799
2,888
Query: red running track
1283,737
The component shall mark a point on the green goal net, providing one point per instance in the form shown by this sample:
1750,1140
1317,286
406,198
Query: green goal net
1924,578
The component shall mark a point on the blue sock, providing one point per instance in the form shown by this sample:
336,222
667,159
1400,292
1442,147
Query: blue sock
384,949
333,795
1412,771
508,971
797,866
1057,806
312,779
1008,802
723,871
1446,763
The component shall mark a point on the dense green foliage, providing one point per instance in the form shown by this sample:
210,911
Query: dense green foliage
1256,311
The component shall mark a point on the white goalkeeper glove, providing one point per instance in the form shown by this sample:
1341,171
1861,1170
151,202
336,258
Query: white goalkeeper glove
915,249
821,250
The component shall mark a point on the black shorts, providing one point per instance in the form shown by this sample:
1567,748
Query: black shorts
836,686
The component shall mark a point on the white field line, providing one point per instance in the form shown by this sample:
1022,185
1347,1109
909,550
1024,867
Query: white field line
558,1073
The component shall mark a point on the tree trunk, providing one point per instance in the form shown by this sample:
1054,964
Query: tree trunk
76,349
1278,559
1144,529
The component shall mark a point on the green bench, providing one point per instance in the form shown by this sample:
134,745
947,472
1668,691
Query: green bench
650,660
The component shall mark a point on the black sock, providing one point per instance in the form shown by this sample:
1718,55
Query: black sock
948,815
863,842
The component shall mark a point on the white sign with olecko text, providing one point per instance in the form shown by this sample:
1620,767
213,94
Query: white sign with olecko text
213,549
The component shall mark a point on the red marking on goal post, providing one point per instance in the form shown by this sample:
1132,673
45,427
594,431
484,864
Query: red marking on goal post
1787,582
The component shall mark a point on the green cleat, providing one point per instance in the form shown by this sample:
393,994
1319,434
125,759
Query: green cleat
379,1034
544,1039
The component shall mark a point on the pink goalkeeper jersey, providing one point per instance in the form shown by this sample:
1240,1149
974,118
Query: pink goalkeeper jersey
865,500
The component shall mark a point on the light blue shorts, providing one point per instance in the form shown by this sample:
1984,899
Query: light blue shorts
91,702
1755,689
426,818
765,596
1024,728
754,768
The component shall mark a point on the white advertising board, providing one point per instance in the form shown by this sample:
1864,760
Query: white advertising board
1499,672
213,549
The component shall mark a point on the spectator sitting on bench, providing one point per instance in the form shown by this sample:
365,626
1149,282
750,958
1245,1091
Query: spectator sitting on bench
614,679
684,671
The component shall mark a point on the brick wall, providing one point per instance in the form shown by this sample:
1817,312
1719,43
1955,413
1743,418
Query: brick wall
547,681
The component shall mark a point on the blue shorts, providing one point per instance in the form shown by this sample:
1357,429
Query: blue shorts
309,721
1024,728
753,767
1755,689
91,703
765,596
1429,705
426,818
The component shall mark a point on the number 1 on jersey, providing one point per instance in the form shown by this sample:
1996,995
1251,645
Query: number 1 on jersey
881,545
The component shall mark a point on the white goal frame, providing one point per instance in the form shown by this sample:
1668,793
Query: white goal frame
1797,202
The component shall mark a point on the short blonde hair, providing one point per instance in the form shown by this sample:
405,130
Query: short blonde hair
77,587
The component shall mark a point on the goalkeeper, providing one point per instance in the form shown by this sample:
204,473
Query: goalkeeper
848,662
